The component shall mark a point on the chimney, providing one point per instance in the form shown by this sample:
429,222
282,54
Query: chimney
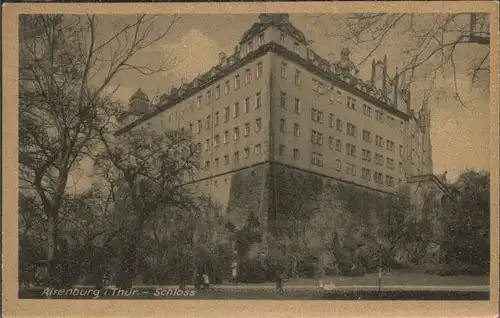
372,80
222,58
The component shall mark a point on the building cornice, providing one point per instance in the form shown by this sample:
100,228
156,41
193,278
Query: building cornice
261,51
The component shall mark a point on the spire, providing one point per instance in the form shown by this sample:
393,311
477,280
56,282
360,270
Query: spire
384,77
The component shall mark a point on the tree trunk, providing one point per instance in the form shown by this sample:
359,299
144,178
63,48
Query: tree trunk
53,271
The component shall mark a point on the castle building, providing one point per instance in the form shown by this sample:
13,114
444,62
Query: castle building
274,102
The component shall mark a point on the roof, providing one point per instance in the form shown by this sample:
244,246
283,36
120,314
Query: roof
139,94
278,20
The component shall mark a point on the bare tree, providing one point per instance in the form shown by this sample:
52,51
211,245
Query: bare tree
149,169
66,67
431,42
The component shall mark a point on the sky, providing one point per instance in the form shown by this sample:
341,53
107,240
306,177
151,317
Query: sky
459,134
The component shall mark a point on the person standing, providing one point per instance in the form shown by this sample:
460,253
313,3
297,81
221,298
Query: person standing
206,282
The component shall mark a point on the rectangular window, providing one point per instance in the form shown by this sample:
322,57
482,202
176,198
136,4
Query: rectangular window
338,165
367,136
209,97
226,159
236,157
246,130
296,154
331,121
257,149
258,100
198,127
207,122
296,47
190,128
259,70
282,125
377,176
207,164
338,145
198,102
248,76
351,130
198,147
207,144
282,150
330,142
389,181
317,159
283,70
350,169
216,140
246,153
339,97
282,38
227,87
366,174
247,105
236,82
317,86
367,110
217,92
379,141
258,124
226,114
236,109
379,116
389,163
297,77
216,161
298,106
316,137
296,130
283,100
226,136
366,155
401,169
351,102
401,152
350,149
236,133
390,145
339,125
379,159
216,119
317,115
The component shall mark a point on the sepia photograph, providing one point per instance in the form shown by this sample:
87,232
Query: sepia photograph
254,156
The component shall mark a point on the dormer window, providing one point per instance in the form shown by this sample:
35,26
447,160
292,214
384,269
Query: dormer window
282,38
261,38
250,46
296,47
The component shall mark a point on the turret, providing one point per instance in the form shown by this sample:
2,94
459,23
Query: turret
138,103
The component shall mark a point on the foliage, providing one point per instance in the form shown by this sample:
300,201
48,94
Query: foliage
65,69
466,215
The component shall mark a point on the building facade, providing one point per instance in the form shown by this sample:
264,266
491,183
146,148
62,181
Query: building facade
275,102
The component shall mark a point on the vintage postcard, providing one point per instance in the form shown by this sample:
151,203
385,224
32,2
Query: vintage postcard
290,159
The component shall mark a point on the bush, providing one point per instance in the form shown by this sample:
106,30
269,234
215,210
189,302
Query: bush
252,271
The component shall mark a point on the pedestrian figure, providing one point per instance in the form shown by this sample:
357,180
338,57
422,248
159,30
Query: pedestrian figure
279,283
206,282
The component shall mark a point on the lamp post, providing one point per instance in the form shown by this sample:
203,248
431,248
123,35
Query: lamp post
379,266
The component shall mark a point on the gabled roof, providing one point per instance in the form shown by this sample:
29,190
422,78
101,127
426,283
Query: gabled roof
281,24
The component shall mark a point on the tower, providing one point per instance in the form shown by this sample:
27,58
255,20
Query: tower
138,103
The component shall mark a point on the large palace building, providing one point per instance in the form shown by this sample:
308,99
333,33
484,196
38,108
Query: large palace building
274,108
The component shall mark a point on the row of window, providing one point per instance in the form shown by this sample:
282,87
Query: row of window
227,113
350,169
227,85
235,134
319,87
236,157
